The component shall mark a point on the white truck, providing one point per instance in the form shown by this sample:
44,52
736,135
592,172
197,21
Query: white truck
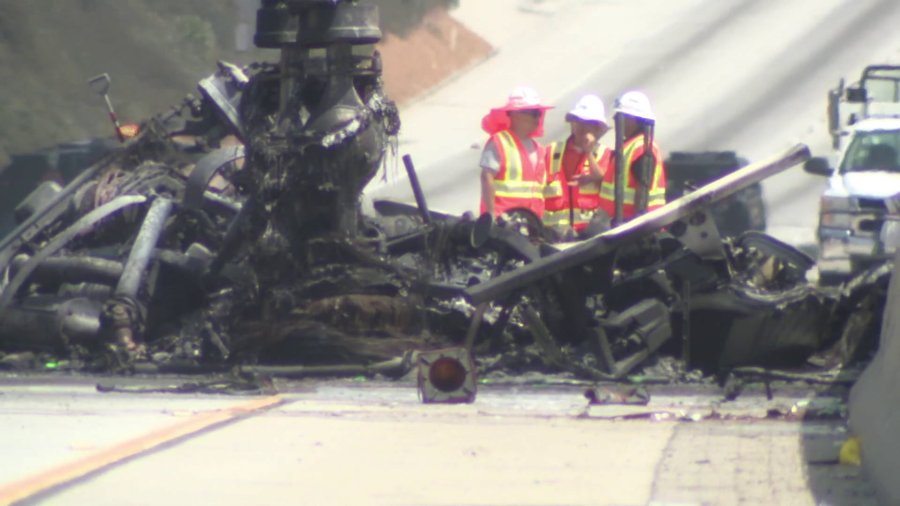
859,213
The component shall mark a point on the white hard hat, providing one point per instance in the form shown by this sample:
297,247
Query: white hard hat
589,108
523,98
635,103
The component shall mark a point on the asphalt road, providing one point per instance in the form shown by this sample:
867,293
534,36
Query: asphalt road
350,442
743,75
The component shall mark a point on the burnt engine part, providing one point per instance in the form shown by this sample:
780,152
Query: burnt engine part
51,324
332,118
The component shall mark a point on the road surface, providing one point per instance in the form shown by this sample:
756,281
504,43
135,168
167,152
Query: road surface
374,443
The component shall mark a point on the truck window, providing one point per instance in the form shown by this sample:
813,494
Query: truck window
882,90
882,84
876,150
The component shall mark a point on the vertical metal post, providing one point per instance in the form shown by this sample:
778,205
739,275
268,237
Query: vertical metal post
618,216
114,118
646,169
571,206
474,325
416,188
686,324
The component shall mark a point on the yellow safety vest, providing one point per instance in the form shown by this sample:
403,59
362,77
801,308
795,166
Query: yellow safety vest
631,151
519,183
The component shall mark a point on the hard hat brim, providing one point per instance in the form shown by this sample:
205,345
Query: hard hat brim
574,116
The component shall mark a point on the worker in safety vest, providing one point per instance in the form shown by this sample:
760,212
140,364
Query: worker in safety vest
576,167
512,162
643,177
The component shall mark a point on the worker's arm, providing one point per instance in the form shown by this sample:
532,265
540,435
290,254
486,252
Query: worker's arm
595,171
597,167
487,190
490,167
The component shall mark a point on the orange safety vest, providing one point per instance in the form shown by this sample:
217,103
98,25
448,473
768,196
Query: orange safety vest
632,149
585,199
518,183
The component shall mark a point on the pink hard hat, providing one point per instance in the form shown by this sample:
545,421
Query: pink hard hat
522,98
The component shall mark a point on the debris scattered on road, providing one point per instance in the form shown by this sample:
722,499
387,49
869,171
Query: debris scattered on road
627,395
851,451
233,385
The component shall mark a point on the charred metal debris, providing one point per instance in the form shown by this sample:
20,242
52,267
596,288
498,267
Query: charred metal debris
229,233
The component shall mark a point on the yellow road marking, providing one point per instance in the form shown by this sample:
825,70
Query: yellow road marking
26,487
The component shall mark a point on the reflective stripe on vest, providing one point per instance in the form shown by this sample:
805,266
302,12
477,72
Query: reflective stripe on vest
556,198
657,193
514,184
554,156
561,218
554,185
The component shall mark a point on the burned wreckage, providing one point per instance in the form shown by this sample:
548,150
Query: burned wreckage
229,233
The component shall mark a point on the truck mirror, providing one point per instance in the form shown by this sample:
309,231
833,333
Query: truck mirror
857,95
818,166
834,111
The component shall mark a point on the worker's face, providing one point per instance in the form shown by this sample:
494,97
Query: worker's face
630,125
525,121
587,133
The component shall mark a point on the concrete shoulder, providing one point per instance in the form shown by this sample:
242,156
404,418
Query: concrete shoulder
874,416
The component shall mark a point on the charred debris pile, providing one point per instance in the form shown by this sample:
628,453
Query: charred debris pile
228,234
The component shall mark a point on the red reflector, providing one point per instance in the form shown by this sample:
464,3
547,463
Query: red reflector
447,374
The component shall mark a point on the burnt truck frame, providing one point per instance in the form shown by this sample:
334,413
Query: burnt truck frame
229,234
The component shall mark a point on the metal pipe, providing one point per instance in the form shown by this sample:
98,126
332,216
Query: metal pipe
686,323
394,367
646,170
474,324
620,176
416,188
143,246
58,270
49,324
571,206
79,227
114,118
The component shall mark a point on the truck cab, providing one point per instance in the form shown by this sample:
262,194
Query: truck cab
858,214
744,210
